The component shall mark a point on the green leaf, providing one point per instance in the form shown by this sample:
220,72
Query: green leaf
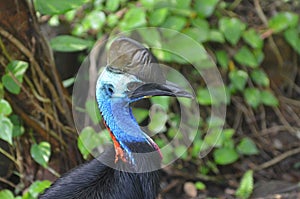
163,101
135,17
246,186
245,57
184,50
87,141
269,99
252,97
93,111
214,138
222,58
214,96
292,37
67,43
158,16
112,5
68,82
5,107
260,77
94,20
6,129
253,39
238,79
174,23
38,187
199,35
41,153
6,194
112,20
247,147
205,8
17,69
181,151
200,185
51,7
224,156
18,129
232,29
158,121
204,97
216,36
283,20
140,114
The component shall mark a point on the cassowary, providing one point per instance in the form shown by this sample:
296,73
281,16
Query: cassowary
129,170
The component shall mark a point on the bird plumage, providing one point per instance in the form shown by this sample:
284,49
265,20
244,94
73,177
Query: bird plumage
130,169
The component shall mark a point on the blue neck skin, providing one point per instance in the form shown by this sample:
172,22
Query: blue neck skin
118,116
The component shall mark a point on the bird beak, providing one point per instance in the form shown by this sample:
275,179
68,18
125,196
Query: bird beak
146,90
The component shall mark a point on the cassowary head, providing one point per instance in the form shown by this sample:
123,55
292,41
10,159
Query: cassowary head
132,73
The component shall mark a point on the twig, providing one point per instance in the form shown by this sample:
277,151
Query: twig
8,156
283,120
278,159
35,64
7,182
170,186
56,174
234,4
272,43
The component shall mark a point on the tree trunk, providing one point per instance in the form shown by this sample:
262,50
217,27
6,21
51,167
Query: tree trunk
43,103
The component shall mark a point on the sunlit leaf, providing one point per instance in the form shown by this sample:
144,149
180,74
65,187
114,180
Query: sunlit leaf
6,129
222,58
93,111
205,8
252,97
17,69
38,187
268,98
135,17
200,185
51,7
158,118
181,151
6,194
162,101
260,77
232,29
247,147
41,153
246,186
283,20
238,79
158,16
112,5
224,156
140,114
174,23
87,141
245,57
5,107
67,43
293,38
253,39
216,36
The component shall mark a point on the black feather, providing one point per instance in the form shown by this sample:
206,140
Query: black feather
95,180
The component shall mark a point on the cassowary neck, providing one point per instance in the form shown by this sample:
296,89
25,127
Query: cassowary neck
125,132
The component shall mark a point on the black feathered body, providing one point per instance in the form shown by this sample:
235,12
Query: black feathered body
95,180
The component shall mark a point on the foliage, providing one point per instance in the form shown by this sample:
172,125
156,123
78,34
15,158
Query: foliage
236,45
246,186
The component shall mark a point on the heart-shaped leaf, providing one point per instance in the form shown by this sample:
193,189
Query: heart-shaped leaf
41,153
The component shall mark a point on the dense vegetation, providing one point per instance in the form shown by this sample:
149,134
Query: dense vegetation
255,46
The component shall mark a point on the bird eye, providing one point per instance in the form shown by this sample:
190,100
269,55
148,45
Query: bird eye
109,89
